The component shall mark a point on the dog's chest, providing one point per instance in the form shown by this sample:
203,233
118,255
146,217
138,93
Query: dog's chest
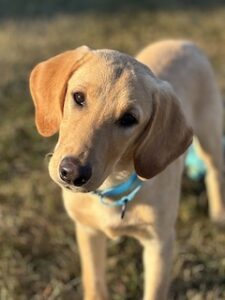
137,222
133,229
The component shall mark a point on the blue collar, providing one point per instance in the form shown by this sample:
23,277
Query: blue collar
133,183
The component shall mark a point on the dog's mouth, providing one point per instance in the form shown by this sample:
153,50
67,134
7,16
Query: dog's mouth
74,189
89,187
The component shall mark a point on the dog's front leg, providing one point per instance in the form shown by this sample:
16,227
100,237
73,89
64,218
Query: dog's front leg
92,246
157,259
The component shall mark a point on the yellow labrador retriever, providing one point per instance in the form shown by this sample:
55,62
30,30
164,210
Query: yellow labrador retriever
123,126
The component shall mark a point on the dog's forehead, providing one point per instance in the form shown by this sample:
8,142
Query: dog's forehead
108,67
118,63
120,68
110,76
125,71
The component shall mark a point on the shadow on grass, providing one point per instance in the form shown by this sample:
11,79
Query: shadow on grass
48,8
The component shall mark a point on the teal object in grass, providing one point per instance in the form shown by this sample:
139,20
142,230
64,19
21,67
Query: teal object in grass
195,166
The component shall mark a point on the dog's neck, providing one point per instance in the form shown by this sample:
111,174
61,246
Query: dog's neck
119,174
122,186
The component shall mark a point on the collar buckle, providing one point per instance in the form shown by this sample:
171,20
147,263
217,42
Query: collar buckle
131,187
123,209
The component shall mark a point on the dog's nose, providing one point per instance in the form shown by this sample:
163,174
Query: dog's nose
72,172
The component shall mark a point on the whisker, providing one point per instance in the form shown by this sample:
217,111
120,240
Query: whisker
48,156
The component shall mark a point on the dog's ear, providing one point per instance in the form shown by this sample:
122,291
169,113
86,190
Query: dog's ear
48,84
166,136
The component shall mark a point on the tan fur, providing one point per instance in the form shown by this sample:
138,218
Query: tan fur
115,83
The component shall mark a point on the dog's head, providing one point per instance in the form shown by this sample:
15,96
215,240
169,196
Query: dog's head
110,110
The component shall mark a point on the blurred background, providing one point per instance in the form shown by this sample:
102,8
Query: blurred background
38,253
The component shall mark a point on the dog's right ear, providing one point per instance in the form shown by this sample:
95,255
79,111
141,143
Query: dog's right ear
167,135
48,84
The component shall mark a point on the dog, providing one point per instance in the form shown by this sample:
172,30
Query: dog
124,125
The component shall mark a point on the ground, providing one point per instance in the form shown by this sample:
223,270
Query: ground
38,252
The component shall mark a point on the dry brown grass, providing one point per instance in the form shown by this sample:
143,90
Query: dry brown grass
38,255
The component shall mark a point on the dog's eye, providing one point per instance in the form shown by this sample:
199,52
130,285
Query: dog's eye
79,98
127,120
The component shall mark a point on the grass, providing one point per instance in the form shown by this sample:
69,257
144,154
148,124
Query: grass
38,253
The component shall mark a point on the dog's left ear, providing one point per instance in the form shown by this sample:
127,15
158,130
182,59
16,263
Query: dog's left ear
166,136
48,84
